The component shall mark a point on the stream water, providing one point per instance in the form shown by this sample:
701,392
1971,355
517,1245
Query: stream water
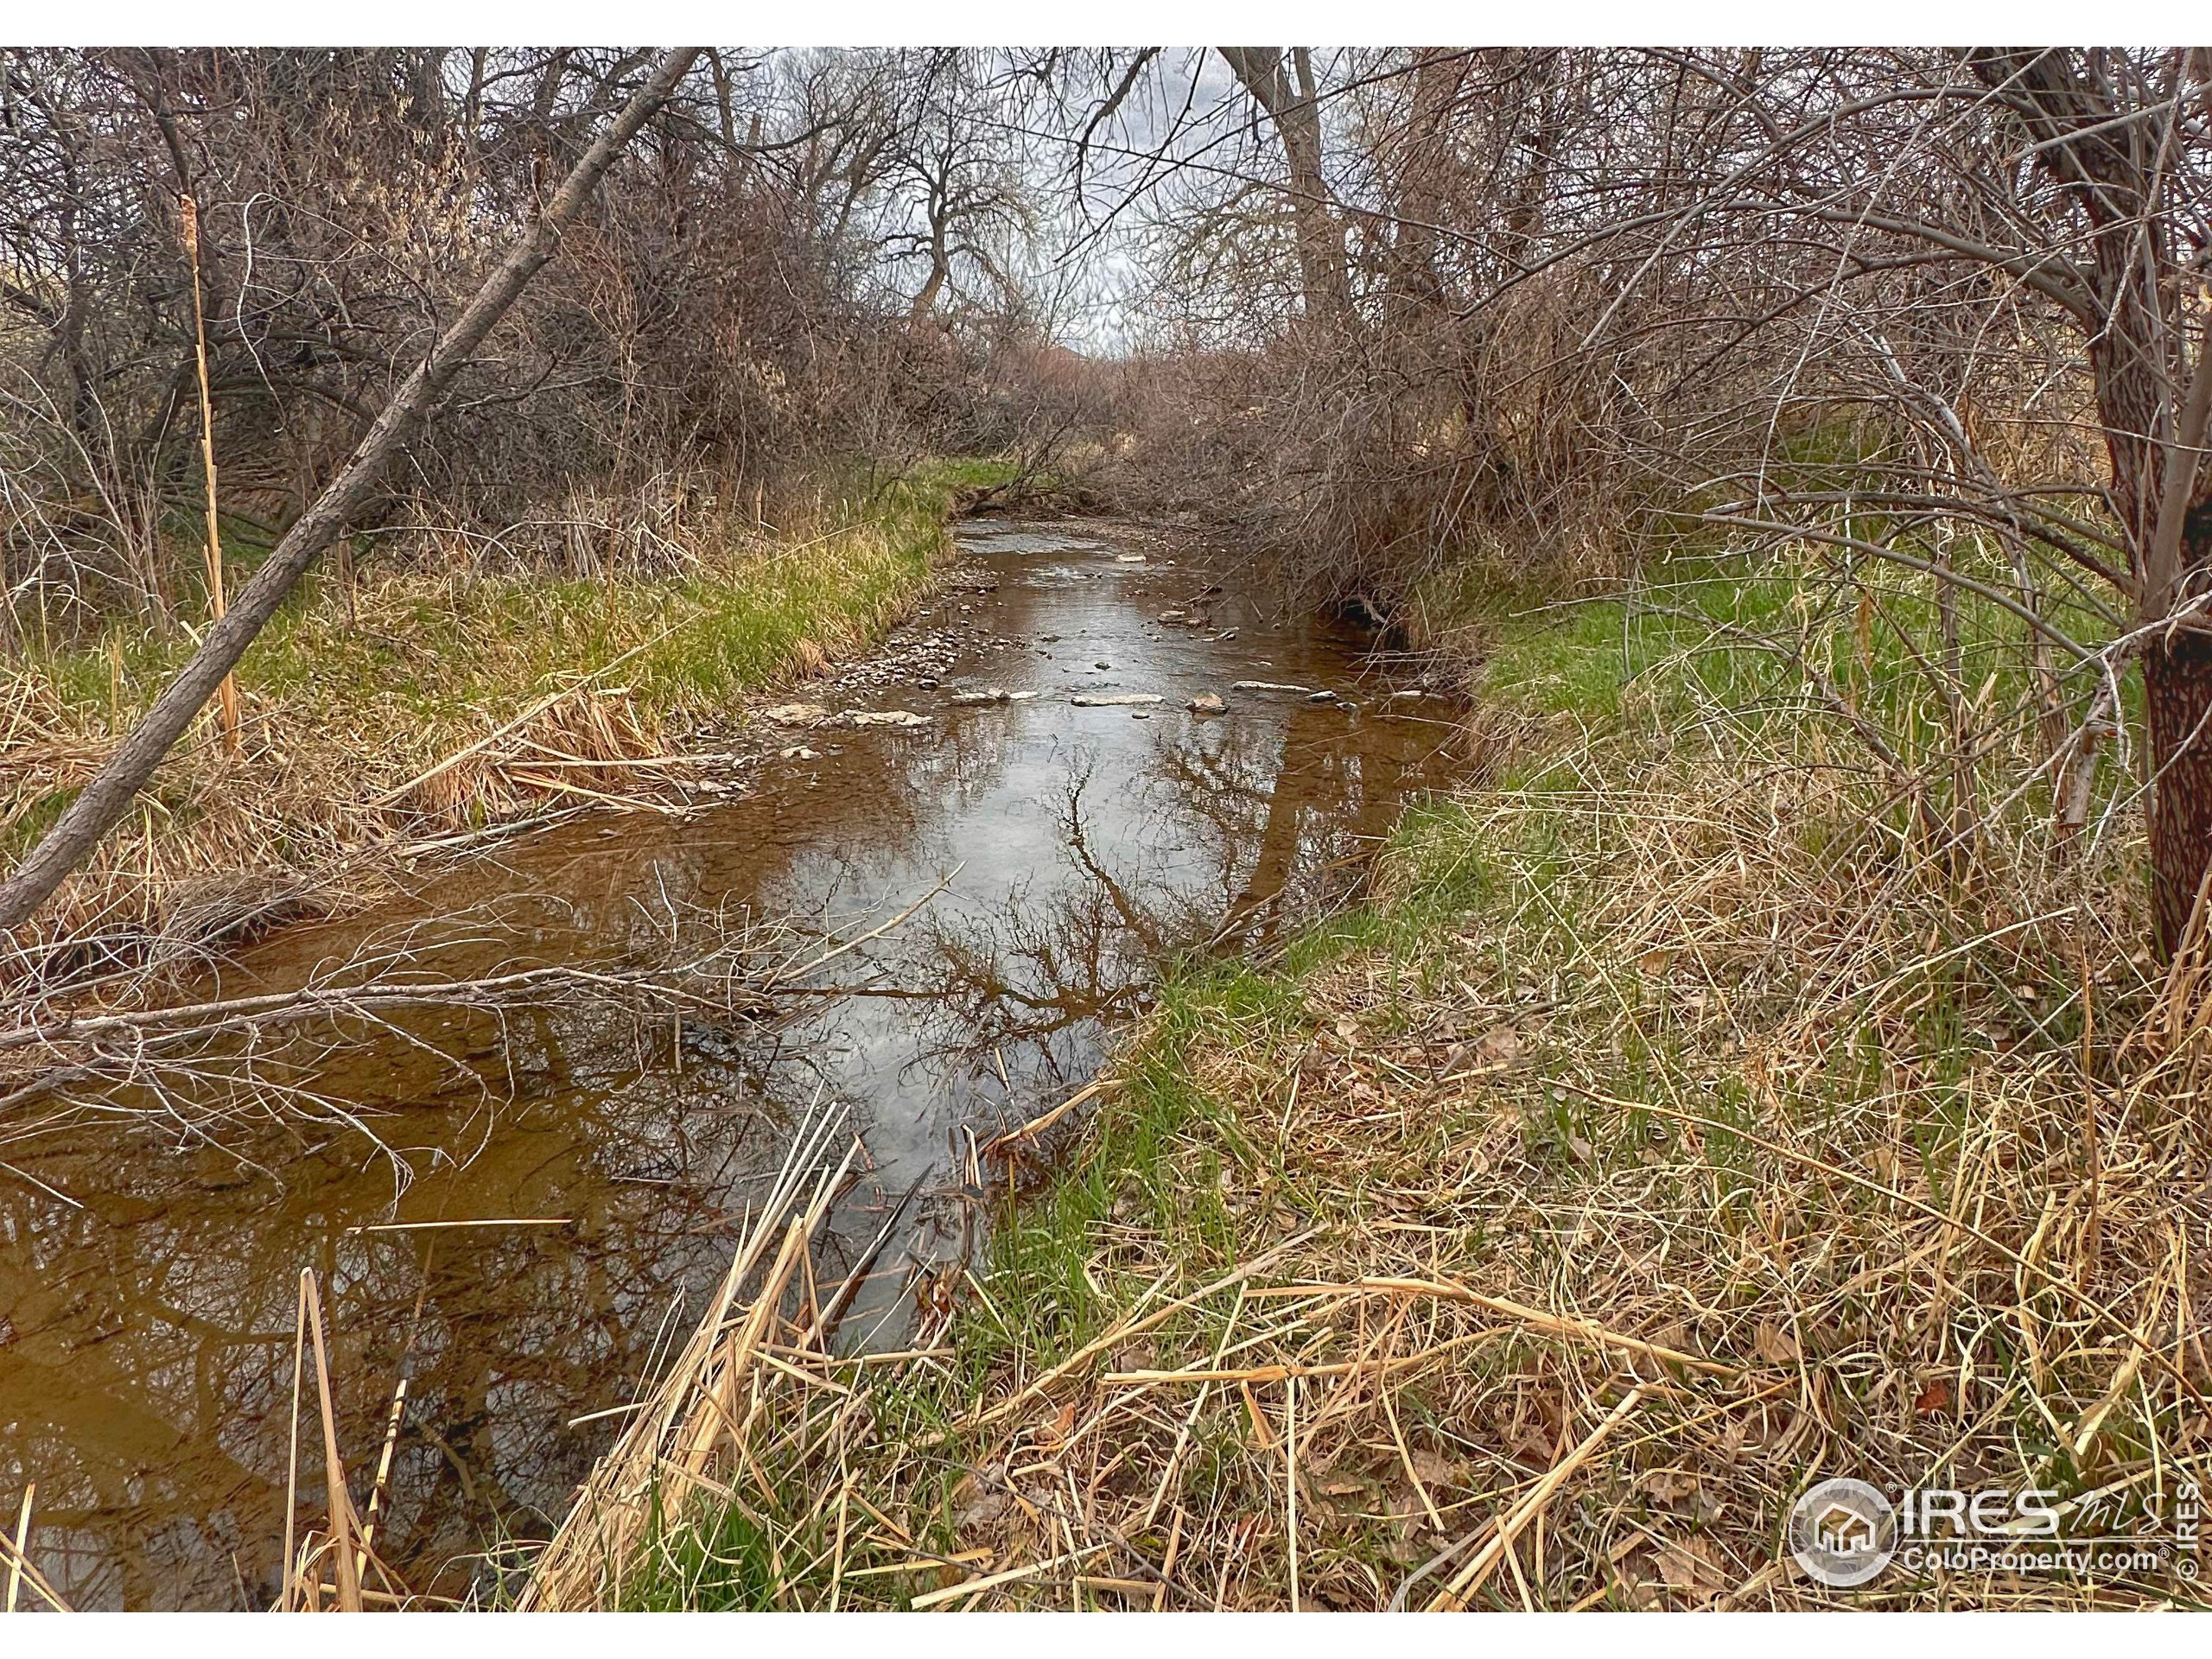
148,1277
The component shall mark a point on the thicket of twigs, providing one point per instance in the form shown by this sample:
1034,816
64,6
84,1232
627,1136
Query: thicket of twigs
1534,306
1433,313
726,329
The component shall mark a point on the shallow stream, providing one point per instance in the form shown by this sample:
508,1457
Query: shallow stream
146,1328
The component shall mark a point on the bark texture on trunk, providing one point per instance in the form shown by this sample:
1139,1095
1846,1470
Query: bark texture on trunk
2177,705
1294,107
2089,143
1422,180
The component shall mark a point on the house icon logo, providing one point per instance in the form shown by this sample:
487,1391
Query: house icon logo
1842,1533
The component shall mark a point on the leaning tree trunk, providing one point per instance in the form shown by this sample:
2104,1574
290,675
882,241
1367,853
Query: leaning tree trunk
1295,108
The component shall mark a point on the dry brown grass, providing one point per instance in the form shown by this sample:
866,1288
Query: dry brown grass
229,847
1724,1154
744,1356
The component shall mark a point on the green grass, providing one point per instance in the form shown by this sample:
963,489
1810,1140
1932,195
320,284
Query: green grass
1607,666
434,646
1521,905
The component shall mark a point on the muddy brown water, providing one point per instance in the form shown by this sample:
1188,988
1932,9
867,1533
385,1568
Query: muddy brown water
146,1330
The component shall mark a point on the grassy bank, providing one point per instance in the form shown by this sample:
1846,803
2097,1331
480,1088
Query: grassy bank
1675,1128
356,692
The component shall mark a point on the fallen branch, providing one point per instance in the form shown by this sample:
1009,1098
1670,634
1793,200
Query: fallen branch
190,1018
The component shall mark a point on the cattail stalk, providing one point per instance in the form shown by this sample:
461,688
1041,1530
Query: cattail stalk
226,695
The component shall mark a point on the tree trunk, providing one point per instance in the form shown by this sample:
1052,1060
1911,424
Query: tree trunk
2177,705
1295,110
1421,182
2091,147
2177,668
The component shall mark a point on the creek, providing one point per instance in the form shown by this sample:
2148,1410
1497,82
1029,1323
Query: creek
1060,844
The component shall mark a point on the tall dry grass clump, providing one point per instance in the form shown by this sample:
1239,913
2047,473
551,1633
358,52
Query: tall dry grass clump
745,1360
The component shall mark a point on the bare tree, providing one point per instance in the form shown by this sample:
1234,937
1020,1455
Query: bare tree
956,190
2122,142
1282,84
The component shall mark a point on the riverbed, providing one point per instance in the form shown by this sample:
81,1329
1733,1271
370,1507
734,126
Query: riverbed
514,1210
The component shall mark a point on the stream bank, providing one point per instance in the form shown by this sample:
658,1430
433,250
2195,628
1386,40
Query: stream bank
397,715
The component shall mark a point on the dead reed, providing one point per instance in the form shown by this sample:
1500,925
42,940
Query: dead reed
750,1360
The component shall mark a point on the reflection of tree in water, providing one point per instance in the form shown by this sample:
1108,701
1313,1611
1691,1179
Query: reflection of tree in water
1237,824
1063,950
169,1302
1323,793
160,1454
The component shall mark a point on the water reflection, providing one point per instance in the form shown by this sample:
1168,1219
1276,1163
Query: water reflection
146,1337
